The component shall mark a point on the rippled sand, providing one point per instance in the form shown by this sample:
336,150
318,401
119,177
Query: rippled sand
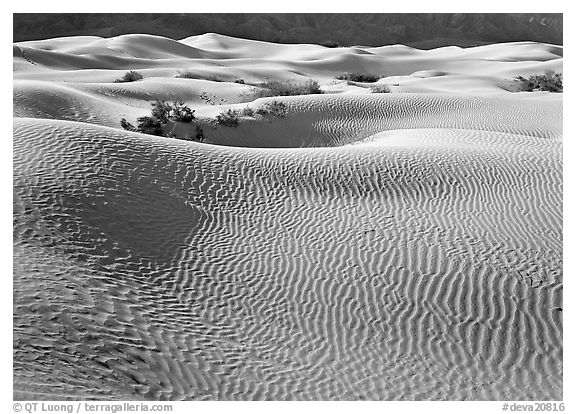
403,246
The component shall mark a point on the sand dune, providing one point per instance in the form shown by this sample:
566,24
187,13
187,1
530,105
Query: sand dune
401,246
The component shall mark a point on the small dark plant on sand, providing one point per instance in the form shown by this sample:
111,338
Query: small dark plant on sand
275,108
180,112
358,77
127,125
200,136
247,111
187,75
214,78
230,118
149,125
381,89
191,75
550,81
160,111
145,125
131,76
175,111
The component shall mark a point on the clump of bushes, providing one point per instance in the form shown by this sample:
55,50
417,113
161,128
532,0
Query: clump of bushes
146,125
192,75
230,118
358,77
162,112
381,89
131,76
180,112
212,78
247,111
149,125
187,75
275,108
550,81
282,88
175,111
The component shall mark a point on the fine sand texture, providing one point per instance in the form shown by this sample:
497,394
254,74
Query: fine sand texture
380,246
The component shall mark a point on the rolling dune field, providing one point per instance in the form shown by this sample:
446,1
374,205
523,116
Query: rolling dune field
380,246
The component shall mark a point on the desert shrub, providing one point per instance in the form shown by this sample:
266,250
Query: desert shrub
146,125
282,88
230,118
187,75
192,75
381,89
312,87
161,110
214,78
200,136
127,125
550,81
149,125
180,112
247,111
131,76
175,111
358,77
275,108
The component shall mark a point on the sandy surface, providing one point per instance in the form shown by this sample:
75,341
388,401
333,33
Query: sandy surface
398,246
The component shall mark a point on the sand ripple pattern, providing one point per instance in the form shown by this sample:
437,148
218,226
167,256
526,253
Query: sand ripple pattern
422,263
336,120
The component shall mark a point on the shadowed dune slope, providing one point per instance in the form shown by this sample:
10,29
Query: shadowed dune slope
334,120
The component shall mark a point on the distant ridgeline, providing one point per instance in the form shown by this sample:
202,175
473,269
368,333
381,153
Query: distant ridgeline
423,30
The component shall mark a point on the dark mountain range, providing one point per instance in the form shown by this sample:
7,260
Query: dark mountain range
332,29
